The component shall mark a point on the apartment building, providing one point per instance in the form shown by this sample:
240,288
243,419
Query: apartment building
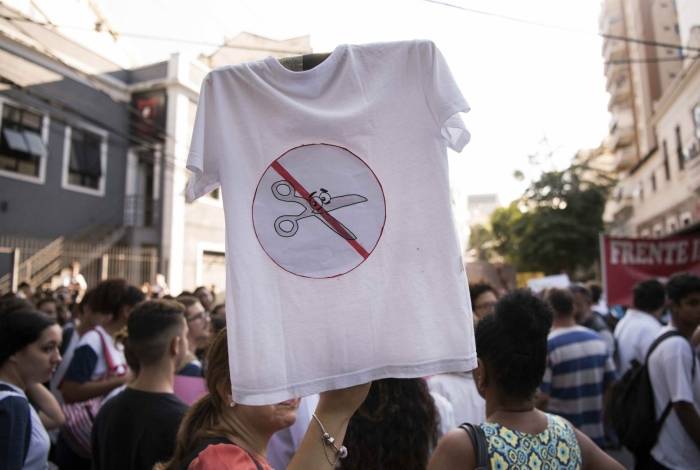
653,94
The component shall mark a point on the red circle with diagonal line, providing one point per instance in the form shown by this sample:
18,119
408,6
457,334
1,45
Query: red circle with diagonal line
318,211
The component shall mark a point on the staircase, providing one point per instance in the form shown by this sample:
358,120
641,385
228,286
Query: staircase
48,261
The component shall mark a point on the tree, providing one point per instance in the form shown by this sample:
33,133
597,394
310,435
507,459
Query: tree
481,241
507,224
554,227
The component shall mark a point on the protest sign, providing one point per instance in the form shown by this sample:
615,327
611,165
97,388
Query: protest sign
627,261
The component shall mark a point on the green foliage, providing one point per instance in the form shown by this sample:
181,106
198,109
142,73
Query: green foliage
481,240
554,227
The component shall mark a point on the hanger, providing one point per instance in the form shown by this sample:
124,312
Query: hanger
303,62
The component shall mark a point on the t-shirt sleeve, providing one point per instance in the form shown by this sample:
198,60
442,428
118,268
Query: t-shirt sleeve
443,97
677,370
202,159
14,420
82,365
223,457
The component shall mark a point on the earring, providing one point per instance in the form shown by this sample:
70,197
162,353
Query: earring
231,404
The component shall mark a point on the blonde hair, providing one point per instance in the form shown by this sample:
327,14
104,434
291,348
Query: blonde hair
209,416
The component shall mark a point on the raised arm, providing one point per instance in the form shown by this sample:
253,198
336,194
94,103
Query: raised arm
334,410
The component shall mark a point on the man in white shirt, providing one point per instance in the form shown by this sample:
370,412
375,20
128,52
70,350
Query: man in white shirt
676,381
640,325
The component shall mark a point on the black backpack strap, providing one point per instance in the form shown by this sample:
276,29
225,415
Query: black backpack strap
480,444
28,430
210,441
657,341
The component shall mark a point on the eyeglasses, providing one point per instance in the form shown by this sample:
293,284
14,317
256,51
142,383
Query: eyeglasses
198,316
484,306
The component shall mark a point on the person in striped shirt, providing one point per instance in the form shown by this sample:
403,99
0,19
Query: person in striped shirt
579,370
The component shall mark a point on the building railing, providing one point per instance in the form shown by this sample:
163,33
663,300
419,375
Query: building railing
141,211
42,267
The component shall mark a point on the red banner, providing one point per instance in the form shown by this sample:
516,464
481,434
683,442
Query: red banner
627,261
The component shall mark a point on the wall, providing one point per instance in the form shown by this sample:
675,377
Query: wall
47,210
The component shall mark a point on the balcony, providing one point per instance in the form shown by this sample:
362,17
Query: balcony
621,137
614,50
692,167
612,23
620,93
140,211
625,158
613,73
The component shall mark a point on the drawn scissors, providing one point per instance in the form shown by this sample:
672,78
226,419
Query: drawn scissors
287,225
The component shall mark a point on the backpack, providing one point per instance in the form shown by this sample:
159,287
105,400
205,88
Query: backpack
631,407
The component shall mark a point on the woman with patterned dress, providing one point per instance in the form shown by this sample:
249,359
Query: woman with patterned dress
512,349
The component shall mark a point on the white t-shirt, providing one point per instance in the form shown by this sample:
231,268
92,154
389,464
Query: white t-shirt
39,442
89,362
446,412
670,368
343,260
633,335
460,390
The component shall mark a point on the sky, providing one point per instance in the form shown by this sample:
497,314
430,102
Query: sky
531,88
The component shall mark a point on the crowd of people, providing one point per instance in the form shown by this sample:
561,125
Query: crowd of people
88,380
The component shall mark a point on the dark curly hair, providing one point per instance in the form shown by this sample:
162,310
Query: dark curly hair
109,296
513,343
395,428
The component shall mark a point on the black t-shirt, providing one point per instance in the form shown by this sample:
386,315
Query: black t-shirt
135,430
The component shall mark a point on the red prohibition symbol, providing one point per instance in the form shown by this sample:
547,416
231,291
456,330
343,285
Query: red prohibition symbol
318,211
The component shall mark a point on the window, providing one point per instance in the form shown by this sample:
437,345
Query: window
686,219
211,265
641,191
653,182
84,160
22,145
696,120
679,148
667,166
671,224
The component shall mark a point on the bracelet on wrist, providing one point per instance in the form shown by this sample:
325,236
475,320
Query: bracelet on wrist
329,442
